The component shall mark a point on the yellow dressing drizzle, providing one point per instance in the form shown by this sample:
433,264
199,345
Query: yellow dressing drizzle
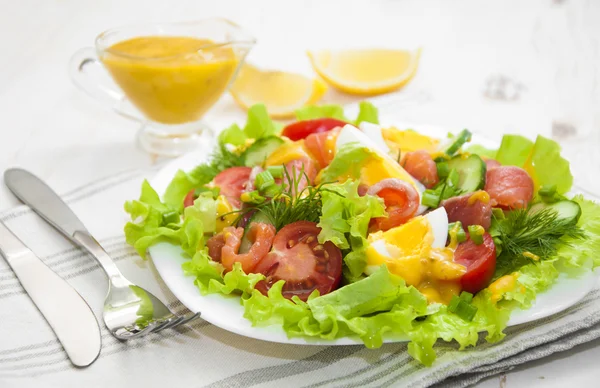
481,196
502,285
531,256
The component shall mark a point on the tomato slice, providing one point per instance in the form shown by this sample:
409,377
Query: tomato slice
480,261
301,129
299,259
420,165
224,247
401,202
232,183
322,146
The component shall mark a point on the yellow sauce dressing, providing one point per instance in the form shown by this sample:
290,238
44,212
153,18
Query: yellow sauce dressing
224,216
431,270
481,196
502,285
531,256
171,79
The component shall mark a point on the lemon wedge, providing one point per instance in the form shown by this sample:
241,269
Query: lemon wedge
281,92
366,71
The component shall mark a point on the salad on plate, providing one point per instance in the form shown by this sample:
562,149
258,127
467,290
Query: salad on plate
333,227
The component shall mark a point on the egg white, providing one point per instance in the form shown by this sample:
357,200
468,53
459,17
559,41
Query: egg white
373,132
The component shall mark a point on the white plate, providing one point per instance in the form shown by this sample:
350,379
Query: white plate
227,312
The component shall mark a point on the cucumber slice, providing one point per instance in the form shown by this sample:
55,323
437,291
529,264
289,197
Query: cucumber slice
569,211
471,171
458,141
256,154
257,217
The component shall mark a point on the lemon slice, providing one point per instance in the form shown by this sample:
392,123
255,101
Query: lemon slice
281,92
366,71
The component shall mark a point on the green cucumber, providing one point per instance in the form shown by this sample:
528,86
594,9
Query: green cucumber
471,171
256,154
570,211
256,217
457,141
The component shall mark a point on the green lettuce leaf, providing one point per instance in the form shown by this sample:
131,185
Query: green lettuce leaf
209,276
482,151
149,227
321,111
541,159
576,252
348,162
259,124
549,168
514,150
232,135
345,222
366,112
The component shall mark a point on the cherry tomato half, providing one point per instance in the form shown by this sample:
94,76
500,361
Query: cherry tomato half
299,259
301,129
232,183
401,202
480,261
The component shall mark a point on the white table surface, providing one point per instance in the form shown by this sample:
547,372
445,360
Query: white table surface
493,67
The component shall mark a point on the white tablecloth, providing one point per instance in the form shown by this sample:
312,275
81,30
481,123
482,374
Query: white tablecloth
505,66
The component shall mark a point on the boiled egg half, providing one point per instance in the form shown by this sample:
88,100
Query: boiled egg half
417,252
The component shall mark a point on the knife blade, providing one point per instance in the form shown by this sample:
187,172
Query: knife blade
67,313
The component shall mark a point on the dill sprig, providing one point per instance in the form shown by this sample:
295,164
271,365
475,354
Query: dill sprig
537,233
290,204
220,160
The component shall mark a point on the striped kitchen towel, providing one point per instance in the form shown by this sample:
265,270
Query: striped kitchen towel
201,354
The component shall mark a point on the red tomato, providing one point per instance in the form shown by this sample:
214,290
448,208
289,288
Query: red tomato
224,247
232,183
322,146
480,261
189,198
401,202
420,165
299,259
301,129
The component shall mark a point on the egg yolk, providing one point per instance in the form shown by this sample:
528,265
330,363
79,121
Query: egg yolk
407,252
409,140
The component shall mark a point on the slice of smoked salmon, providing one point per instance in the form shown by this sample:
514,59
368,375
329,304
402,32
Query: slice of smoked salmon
510,186
420,165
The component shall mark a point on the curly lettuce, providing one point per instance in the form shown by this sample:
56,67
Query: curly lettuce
345,222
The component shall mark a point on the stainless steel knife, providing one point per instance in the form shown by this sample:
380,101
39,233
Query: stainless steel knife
69,316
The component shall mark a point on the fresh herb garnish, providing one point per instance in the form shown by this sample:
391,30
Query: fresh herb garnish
523,235
446,188
220,160
288,203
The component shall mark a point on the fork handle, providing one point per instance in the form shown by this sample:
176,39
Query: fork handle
84,239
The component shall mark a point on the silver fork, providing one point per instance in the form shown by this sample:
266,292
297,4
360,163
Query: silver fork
129,310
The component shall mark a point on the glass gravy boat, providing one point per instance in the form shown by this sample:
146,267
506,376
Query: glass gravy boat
167,77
